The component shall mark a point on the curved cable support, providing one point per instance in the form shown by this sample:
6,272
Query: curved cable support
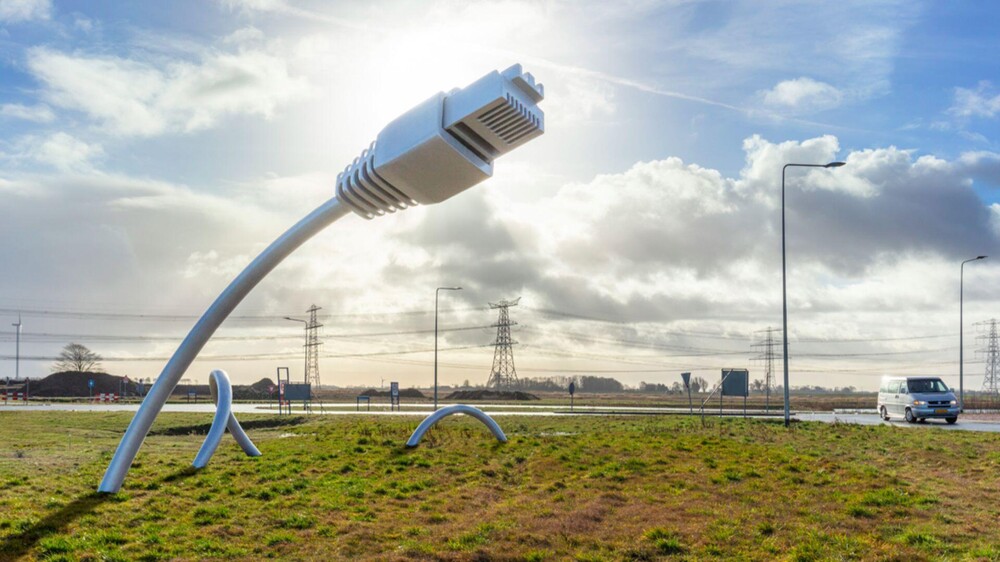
314,222
456,409
222,394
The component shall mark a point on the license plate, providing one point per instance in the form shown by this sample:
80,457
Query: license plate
941,411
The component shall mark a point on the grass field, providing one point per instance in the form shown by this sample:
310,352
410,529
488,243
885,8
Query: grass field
563,488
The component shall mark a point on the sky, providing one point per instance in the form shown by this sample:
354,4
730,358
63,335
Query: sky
148,151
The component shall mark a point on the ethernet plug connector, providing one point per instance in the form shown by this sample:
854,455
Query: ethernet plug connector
444,145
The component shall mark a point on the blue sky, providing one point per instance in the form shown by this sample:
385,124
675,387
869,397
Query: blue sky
149,150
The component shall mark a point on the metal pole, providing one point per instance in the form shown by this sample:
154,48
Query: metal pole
961,330
305,347
437,293
784,296
17,350
784,290
199,335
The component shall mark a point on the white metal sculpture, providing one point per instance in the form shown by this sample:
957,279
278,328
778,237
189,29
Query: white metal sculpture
222,393
432,419
440,148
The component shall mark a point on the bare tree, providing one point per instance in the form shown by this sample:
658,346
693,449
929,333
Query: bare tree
78,358
699,384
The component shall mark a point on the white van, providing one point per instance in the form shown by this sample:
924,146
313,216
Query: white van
916,399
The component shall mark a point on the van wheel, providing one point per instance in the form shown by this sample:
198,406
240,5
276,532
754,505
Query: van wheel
951,420
909,416
883,413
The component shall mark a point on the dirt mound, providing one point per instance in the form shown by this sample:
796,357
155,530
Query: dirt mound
490,395
403,393
74,384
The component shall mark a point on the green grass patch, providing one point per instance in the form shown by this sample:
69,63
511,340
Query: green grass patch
562,488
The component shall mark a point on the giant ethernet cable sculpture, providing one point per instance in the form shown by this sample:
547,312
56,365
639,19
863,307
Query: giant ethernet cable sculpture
438,149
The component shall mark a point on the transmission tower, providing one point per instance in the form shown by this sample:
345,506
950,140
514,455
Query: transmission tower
765,355
312,348
503,374
991,382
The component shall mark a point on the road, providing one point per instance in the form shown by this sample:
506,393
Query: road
873,419
856,417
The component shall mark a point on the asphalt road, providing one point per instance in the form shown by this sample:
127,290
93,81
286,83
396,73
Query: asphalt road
964,424
863,418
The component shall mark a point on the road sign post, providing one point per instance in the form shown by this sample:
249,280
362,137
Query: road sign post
572,391
687,384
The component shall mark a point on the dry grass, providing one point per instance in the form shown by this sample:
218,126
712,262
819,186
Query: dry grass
588,488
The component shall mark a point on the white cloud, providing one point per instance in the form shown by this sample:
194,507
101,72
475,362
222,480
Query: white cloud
980,102
667,240
132,97
65,152
982,165
13,11
243,35
59,150
253,5
664,246
575,99
38,113
802,95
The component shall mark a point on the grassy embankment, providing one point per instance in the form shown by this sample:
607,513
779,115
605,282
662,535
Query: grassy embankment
562,488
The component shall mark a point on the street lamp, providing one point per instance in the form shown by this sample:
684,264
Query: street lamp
437,292
305,348
784,293
961,326
443,146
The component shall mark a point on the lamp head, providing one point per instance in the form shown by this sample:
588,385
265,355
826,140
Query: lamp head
445,145
981,257
834,164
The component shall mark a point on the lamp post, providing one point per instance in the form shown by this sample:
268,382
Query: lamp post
17,349
421,157
305,348
437,293
961,327
784,293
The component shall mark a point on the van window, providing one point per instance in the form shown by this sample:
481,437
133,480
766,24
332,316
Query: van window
927,385
894,387
885,387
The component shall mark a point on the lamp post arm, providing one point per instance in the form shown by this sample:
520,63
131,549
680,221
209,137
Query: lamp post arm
437,294
288,242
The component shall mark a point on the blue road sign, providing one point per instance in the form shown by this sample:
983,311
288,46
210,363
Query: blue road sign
90,383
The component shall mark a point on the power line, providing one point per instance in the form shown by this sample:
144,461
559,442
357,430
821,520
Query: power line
82,314
256,357
120,338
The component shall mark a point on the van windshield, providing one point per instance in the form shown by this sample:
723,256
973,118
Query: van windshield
922,386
